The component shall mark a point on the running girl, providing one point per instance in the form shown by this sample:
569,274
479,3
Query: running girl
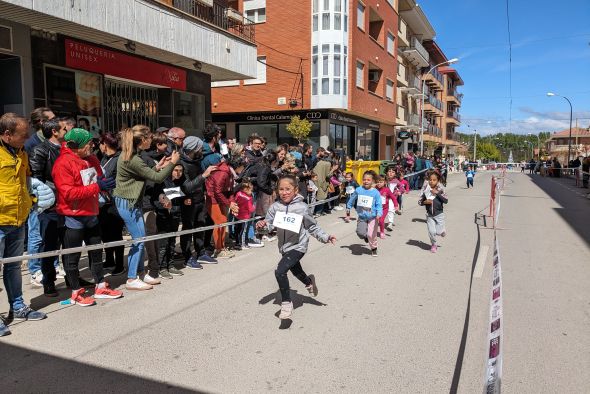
469,174
369,209
432,198
393,184
386,197
290,215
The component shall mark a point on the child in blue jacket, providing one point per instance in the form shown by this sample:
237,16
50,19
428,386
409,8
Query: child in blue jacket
469,174
369,209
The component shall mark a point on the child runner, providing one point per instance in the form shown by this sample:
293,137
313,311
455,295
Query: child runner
312,191
350,186
404,188
432,198
393,184
246,208
387,196
369,209
294,222
469,174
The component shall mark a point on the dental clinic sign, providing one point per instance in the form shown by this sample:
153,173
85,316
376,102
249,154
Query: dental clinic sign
88,57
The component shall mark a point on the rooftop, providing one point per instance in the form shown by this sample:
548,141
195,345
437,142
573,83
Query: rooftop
576,132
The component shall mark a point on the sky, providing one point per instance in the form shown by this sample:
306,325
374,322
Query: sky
550,53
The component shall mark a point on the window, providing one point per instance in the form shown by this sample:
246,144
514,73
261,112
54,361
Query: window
314,87
337,5
325,65
345,22
390,39
326,5
257,15
315,23
360,79
389,90
336,87
325,48
360,17
314,66
337,21
344,86
336,65
315,5
326,21
260,72
325,85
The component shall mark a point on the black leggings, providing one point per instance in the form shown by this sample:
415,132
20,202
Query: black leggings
111,228
166,246
72,239
290,262
195,216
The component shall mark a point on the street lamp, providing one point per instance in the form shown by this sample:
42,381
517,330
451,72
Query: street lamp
569,148
453,60
538,143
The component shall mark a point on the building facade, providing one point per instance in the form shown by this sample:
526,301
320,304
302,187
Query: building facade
115,64
558,145
331,61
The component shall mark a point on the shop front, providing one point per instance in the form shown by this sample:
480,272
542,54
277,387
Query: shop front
106,89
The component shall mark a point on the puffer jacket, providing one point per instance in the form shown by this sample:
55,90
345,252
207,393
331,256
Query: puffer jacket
15,200
44,194
219,186
194,185
42,159
289,240
73,198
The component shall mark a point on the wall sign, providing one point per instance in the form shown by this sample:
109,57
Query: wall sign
93,58
403,135
270,116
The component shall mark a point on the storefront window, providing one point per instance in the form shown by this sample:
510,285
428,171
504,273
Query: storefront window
189,112
364,149
340,136
313,139
266,130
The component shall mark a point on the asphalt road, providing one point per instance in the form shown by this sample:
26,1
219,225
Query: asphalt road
407,321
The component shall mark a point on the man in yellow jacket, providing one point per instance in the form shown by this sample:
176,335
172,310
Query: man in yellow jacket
15,204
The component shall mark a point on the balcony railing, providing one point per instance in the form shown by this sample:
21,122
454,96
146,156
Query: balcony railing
434,102
414,120
454,93
222,17
416,53
438,76
454,115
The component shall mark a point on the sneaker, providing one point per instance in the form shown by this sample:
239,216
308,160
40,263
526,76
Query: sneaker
269,238
137,284
191,263
237,248
389,227
245,247
79,299
166,274
224,254
103,290
338,208
366,239
443,234
313,288
49,290
433,248
118,271
374,252
151,280
346,220
254,243
286,310
3,328
382,235
26,313
37,279
175,271
206,259
398,212
84,283
59,272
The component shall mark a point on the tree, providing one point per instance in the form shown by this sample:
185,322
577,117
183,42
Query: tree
487,150
431,147
299,128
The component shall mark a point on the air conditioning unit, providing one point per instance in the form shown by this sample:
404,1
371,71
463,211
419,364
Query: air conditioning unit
208,3
374,76
235,15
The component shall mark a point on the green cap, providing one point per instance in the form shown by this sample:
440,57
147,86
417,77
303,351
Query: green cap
80,136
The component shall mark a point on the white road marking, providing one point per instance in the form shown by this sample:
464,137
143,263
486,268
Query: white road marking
481,261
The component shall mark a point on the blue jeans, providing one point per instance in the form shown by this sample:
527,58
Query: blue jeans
34,241
133,218
12,243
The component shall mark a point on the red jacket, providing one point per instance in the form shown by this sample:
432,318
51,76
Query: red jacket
245,205
73,198
219,186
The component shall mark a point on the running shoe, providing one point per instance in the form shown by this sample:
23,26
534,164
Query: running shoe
191,263
175,271
151,280
433,248
104,291
312,289
137,284
206,259
79,299
286,310
166,274
26,313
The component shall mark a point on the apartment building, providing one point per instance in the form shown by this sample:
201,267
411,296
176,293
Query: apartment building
333,62
112,64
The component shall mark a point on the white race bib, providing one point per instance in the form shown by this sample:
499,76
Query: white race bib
349,189
89,176
365,202
288,221
173,192
383,200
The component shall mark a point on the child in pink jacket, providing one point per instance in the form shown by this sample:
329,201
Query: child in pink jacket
386,196
404,187
246,208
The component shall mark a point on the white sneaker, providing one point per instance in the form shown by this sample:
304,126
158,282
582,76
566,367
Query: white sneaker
59,272
338,208
267,238
224,254
286,310
37,279
255,244
151,281
137,284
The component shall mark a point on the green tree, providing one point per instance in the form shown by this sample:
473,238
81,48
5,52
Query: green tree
431,147
487,150
299,128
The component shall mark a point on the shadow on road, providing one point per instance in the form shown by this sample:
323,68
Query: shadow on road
357,249
28,371
420,244
418,220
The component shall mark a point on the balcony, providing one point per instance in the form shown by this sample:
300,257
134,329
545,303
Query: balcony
402,35
455,96
401,75
416,53
401,117
414,121
414,86
454,115
222,17
431,103
432,130
434,79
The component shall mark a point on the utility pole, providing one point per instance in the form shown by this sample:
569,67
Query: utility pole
475,146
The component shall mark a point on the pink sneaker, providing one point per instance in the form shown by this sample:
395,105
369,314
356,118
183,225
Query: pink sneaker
433,249
105,292
382,235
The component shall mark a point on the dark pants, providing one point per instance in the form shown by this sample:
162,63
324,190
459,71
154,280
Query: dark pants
111,229
322,207
194,216
72,239
469,182
290,262
52,236
166,246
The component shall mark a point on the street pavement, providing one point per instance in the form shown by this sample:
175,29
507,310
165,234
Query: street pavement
407,321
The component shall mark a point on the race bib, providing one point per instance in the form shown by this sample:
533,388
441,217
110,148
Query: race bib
89,176
173,192
349,189
365,202
288,221
383,200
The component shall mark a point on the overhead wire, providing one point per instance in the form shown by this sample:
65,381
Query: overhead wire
510,63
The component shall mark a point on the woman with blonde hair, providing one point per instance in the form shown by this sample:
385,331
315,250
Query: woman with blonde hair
132,173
